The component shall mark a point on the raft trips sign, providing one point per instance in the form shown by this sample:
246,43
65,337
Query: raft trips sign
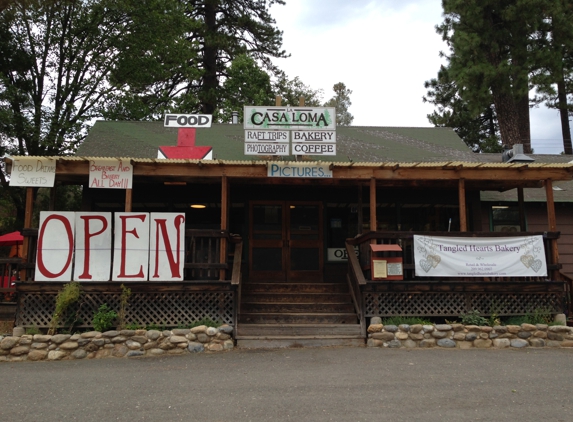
78,246
267,130
522,256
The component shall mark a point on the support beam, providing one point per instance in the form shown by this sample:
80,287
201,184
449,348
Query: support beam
552,226
373,205
521,204
27,224
462,201
128,200
224,222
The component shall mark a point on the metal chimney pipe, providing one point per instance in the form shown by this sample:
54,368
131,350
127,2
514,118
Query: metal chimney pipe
235,117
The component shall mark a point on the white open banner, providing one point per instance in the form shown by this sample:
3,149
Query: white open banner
522,256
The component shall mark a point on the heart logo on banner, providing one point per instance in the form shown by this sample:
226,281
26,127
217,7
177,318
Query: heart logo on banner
434,259
527,260
426,264
536,265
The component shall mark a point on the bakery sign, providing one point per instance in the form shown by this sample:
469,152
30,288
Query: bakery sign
268,130
522,256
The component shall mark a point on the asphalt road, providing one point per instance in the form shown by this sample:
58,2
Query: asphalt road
328,384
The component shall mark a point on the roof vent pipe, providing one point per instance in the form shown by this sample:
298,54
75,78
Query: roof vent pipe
235,117
516,155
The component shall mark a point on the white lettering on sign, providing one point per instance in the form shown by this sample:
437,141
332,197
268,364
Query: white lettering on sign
266,136
298,170
38,172
110,174
188,120
157,238
314,136
313,149
260,148
315,118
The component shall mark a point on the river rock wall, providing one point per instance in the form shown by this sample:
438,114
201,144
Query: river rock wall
119,344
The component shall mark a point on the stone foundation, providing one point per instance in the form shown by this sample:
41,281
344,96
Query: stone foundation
468,336
119,344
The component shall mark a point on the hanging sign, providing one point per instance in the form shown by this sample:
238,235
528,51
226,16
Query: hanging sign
187,120
299,170
33,172
522,256
266,142
311,118
110,174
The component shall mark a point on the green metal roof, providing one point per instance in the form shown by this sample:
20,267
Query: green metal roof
354,143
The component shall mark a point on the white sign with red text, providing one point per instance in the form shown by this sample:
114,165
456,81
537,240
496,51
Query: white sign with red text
110,174
166,246
55,253
93,246
142,242
131,246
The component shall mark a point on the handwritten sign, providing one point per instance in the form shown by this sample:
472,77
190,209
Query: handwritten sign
110,174
37,172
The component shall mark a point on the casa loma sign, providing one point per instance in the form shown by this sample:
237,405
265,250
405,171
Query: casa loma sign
78,246
301,118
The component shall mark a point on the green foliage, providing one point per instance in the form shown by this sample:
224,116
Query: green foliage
33,330
103,318
135,326
473,318
341,101
291,90
205,321
399,320
479,131
123,302
246,84
68,295
538,316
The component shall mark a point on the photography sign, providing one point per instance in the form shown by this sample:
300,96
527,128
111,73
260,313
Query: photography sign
312,128
522,256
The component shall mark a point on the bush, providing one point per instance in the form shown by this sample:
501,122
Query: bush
103,318
473,318
69,294
399,320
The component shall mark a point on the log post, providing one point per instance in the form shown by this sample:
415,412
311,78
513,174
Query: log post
27,225
128,200
373,223
224,223
552,226
521,204
462,202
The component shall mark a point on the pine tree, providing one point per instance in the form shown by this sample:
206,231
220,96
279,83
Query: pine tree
489,57
341,101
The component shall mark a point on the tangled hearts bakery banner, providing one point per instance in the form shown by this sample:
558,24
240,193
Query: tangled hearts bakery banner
480,257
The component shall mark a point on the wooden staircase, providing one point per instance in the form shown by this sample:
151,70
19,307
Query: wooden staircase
301,314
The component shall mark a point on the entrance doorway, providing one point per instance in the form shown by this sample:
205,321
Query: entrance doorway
285,241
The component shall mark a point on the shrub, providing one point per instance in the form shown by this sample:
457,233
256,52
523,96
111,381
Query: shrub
399,320
69,294
473,318
103,318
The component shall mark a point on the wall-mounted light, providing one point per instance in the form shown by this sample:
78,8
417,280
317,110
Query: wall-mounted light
198,206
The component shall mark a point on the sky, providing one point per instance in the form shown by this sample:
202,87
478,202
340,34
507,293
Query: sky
384,51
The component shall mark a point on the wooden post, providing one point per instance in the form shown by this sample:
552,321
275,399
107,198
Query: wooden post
128,200
552,226
360,213
462,202
278,100
224,223
52,206
27,225
373,204
521,204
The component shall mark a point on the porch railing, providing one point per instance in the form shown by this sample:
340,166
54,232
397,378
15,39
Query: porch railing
452,296
203,257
